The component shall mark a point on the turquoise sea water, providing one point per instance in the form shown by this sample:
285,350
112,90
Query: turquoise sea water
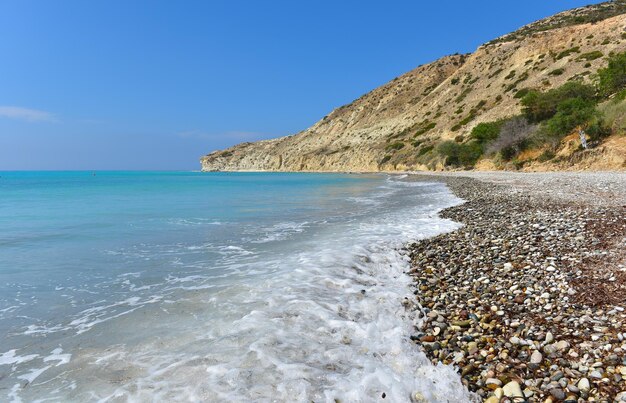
188,286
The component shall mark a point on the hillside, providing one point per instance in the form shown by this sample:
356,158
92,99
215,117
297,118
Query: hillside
401,125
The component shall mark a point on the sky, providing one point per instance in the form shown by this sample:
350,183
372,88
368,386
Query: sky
154,85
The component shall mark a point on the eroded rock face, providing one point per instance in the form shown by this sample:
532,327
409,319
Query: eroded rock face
395,126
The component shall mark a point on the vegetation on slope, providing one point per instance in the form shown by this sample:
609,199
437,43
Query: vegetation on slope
547,117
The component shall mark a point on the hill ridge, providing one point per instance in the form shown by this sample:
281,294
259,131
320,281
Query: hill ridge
397,126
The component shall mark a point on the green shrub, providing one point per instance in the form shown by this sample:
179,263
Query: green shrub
385,159
395,146
613,78
538,106
597,129
467,119
593,55
521,93
463,94
460,155
425,149
567,52
571,113
426,126
486,132
508,152
557,72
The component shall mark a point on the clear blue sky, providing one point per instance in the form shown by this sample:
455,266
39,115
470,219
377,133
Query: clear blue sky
124,84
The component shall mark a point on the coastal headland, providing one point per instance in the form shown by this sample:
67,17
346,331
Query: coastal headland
527,299
519,102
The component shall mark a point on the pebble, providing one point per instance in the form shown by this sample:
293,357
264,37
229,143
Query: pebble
583,384
512,389
536,358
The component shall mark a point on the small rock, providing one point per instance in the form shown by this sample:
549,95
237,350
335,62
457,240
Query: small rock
557,393
556,376
512,389
562,345
535,359
595,375
584,385
493,383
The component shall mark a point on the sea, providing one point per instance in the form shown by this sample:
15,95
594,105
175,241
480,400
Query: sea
214,287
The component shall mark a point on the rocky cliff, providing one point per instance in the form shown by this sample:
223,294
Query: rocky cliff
398,125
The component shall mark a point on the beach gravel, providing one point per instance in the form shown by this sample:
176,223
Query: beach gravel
527,299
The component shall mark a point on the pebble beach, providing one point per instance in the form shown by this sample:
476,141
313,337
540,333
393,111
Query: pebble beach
527,299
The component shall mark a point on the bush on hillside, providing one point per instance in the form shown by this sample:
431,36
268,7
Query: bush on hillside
513,137
614,113
570,114
613,78
593,55
538,106
486,132
395,146
460,155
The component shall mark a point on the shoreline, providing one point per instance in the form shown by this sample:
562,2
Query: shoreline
527,299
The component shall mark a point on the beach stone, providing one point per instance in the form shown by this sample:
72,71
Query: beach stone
557,393
512,389
584,385
493,383
562,345
549,349
535,359
556,376
573,388
595,375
